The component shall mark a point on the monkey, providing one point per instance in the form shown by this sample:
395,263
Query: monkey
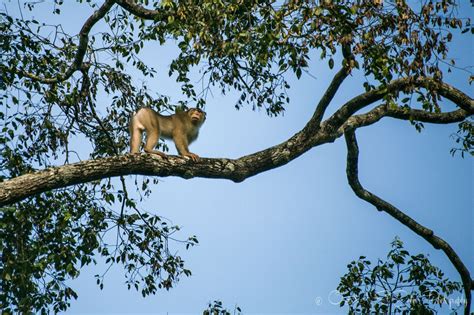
182,127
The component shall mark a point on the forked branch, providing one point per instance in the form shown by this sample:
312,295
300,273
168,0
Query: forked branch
77,63
382,205
359,102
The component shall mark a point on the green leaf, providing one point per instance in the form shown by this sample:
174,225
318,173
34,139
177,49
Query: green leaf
331,63
298,73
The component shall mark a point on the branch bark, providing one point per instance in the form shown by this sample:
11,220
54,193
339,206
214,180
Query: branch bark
21,187
382,205
357,103
336,82
382,111
139,11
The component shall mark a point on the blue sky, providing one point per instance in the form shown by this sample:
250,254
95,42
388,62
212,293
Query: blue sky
280,241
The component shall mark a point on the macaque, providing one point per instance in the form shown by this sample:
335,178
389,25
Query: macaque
182,127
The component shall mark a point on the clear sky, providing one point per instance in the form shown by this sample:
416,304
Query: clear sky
280,241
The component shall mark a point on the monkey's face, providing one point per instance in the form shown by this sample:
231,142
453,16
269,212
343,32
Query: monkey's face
197,116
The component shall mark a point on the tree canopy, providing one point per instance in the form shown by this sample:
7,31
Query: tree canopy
52,82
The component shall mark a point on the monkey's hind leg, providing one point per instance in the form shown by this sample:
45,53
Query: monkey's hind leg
135,139
151,142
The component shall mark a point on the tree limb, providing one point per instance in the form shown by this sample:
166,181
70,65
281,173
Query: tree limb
427,117
336,82
21,187
138,10
382,205
357,103
324,102
381,111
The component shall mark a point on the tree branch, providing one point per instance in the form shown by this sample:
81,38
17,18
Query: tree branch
348,109
382,205
336,82
427,117
81,48
21,187
381,111
138,10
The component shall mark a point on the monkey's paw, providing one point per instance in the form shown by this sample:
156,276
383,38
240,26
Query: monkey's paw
159,153
191,156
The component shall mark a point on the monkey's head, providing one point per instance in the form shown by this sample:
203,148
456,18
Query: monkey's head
197,116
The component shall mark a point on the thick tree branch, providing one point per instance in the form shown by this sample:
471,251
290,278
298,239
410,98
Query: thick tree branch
348,109
77,64
427,117
381,111
21,187
139,11
382,205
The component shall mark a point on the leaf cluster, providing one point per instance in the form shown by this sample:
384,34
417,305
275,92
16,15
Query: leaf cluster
249,45
45,242
402,284
217,308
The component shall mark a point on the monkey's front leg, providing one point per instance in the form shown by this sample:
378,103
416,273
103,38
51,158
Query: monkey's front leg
181,144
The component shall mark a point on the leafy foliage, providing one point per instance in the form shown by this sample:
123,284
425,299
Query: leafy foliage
216,308
401,284
56,234
465,137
